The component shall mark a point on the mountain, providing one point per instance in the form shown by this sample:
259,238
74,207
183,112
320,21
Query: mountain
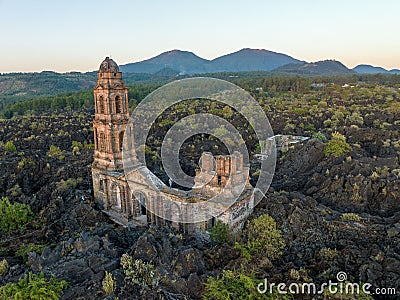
320,68
368,69
181,61
187,62
251,60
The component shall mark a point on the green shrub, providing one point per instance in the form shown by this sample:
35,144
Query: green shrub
33,286
54,151
319,135
70,183
232,285
109,284
88,146
310,127
328,254
219,233
262,238
25,249
350,217
337,145
76,144
10,147
3,267
14,216
138,271
25,162
15,191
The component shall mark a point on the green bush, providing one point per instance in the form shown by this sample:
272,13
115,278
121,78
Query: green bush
33,286
108,284
319,135
25,162
54,151
350,217
3,267
232,285
88,146
328,255
70,183
138,271
25,249
14,216
337,145
219,233
10,147
76,144
262,238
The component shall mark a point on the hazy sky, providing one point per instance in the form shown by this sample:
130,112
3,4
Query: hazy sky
75,35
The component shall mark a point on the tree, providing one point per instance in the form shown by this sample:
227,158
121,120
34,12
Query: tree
219,233
14,216
33,286
262,238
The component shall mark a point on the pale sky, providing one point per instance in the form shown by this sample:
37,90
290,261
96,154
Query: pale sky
76,35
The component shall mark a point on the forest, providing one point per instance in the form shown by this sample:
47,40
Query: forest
142,84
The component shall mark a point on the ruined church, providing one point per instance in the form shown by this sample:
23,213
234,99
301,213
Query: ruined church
137,198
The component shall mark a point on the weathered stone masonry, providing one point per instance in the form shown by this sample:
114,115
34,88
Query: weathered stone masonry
132,204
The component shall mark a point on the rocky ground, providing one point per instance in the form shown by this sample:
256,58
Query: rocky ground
309,199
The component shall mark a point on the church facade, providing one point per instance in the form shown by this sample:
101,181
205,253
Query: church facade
138,198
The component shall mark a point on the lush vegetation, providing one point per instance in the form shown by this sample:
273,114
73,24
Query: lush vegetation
219,233
63,96
14,216
69,101
262,237
337,146
138,271
232,285
33,286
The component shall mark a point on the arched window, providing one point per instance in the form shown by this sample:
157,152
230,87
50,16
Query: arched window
101,105
102,142
121,139
116,196
118,106
141,199
101,185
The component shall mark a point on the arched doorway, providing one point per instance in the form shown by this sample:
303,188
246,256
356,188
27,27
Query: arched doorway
116,196
141,202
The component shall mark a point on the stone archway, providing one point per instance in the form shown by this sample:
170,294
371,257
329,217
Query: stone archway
116,197
141,202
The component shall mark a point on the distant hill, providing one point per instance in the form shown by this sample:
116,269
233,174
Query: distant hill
320,68
368,69
173,65
20,86
181,61
251,60
188,63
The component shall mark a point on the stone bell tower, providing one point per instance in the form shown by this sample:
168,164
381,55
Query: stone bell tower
111,116
110,187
